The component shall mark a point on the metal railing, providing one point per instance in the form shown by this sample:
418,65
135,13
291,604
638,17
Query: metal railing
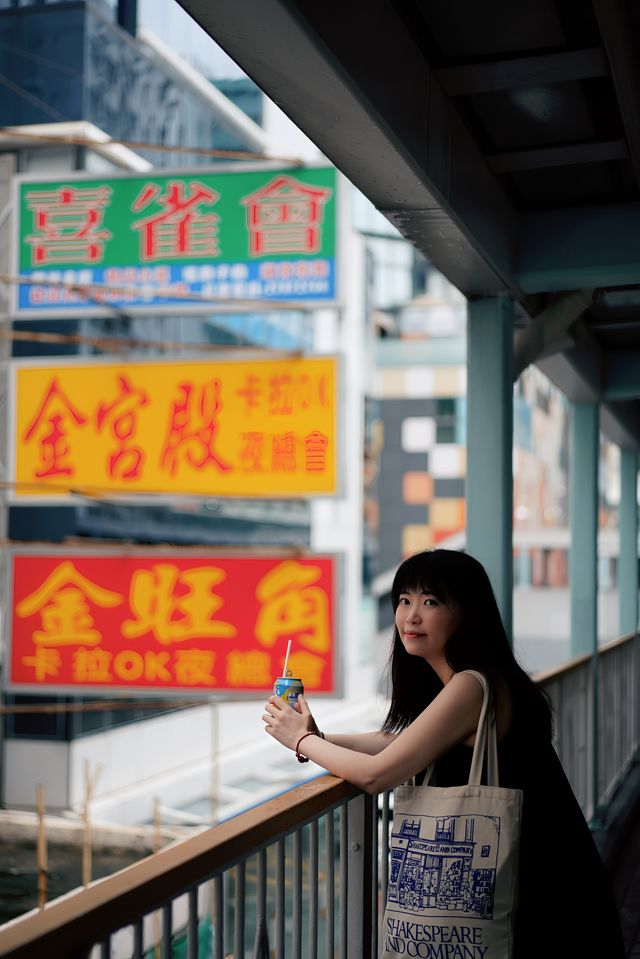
597,737
302,876
298,873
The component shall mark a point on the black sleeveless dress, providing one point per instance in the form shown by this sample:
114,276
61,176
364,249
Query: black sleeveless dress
566,907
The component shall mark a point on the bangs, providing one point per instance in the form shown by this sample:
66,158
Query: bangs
417,575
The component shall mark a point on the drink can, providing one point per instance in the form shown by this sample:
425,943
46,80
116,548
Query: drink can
288,688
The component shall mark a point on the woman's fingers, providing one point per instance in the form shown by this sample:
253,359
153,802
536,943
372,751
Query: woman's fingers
304,707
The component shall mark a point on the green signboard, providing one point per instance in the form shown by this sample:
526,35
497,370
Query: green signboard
163,240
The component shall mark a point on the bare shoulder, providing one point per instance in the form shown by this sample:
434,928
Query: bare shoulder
469,688
466,685
464,694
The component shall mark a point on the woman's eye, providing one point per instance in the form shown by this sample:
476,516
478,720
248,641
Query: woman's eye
430,602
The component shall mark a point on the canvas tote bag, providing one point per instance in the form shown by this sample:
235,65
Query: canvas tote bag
452,890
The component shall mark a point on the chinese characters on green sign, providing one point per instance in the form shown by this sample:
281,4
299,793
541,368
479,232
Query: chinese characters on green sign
151,240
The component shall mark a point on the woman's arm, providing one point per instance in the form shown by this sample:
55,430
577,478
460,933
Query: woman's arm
448,720
369,743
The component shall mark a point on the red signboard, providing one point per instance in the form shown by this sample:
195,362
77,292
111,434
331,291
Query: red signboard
170,622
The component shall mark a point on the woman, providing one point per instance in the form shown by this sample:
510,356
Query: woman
447,621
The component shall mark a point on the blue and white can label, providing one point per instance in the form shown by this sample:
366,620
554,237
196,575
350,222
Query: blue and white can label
288,688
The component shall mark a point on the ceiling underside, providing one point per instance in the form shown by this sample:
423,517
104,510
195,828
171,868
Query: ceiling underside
502,138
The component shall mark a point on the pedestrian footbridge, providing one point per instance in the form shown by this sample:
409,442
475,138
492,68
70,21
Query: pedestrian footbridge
504,141
304,874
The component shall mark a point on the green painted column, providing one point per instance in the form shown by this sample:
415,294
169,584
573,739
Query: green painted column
489,488
583,523
628,560
583,565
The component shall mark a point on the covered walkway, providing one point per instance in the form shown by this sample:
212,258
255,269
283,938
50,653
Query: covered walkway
503,139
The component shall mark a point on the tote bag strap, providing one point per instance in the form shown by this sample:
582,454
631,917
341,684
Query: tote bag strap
486,738
486,733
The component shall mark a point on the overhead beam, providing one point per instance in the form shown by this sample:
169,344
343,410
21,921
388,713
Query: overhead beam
377,111
579,373
546,68
620,422
618,36
545,157
615,326
622,375
580,248
547,332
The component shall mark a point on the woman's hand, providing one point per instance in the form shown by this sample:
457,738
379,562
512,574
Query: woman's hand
285,724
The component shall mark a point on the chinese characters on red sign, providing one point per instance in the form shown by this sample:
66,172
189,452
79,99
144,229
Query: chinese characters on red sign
201,624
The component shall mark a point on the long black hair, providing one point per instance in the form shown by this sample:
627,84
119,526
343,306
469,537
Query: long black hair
479,642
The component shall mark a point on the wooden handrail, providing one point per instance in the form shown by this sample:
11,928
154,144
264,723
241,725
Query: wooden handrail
74,922
566,667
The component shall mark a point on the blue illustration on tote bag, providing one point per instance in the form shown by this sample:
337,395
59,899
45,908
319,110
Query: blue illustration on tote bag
445,864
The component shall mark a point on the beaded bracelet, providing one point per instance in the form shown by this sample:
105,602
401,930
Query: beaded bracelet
302,759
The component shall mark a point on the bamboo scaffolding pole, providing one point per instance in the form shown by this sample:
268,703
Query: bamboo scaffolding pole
90,783
43,864
88,291
124,345
76,140
114,704
157,916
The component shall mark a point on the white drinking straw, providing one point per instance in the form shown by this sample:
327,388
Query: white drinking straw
286,659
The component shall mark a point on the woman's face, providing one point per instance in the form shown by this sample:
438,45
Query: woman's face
425,624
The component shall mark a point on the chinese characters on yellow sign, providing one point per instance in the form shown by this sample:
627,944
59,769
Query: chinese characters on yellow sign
170,623
254,428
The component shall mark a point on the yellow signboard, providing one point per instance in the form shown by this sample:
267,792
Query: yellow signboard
250,428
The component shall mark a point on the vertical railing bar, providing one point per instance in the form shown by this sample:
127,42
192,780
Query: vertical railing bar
297,894
636,697
595,737
280,899
313,890
238,919
374,879
385,846
261,946
330,882
344,877
218,895
192,924
138,939
167,922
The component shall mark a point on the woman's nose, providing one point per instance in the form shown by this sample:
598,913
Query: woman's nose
414,614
